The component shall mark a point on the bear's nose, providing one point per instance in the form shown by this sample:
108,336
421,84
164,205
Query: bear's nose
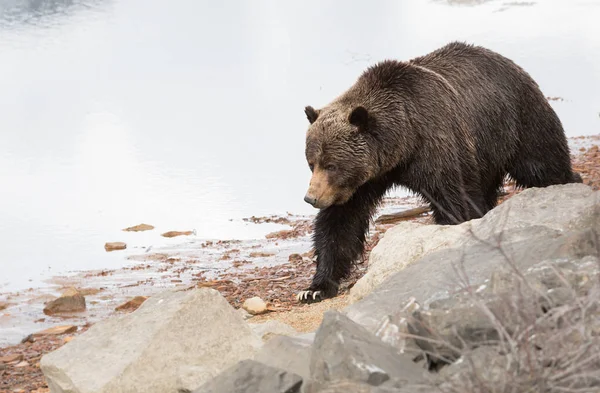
310,200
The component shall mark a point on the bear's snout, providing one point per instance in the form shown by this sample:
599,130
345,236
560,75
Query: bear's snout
310,200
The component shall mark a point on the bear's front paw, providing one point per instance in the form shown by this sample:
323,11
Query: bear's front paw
309,296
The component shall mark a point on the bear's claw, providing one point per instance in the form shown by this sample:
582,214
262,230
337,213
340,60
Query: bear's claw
309,296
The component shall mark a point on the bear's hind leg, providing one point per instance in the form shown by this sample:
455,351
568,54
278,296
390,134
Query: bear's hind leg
493,192
454,206
543,157
537,172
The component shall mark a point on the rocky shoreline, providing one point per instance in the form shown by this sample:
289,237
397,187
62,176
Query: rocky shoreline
273,269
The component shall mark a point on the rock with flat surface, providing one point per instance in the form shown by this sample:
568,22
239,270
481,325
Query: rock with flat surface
557,222
555,209
148,349
70,301
249,376
289,353
441,273
402,246
344,350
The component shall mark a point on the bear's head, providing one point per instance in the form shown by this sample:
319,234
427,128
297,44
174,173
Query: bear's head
338,153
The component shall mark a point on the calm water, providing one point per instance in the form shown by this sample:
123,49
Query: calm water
186,114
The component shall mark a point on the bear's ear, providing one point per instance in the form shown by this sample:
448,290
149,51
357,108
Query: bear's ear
359,117
311,114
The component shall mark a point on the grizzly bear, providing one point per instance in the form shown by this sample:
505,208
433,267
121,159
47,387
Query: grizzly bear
450,126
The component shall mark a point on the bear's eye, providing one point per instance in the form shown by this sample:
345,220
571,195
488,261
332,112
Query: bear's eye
331,168
311,167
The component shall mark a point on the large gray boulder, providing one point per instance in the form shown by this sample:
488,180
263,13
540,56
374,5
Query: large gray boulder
533,226
558,208
403,245
175,340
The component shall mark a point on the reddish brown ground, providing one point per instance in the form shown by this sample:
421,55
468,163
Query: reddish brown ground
277,285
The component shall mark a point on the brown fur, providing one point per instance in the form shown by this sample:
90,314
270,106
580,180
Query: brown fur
449,125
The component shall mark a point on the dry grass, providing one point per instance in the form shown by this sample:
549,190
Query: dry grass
546,332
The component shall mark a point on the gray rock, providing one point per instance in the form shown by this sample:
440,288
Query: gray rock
270,329
484,363
561,207
344,350
288,353
174,337
552,210
249,376
446,332
444,272
71,301
578,275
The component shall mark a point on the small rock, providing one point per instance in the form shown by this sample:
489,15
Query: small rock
344,350
28,339
295,258
3,305
22,364
70,301
15,357
56,331
255,306
68,339
114,246
132,304
249,376
139,228
177,233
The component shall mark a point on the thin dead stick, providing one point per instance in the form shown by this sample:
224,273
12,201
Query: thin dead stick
401,216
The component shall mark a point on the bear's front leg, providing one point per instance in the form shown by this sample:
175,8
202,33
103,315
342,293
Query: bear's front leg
339,238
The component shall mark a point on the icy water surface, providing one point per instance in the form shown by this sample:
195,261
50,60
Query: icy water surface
187,114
